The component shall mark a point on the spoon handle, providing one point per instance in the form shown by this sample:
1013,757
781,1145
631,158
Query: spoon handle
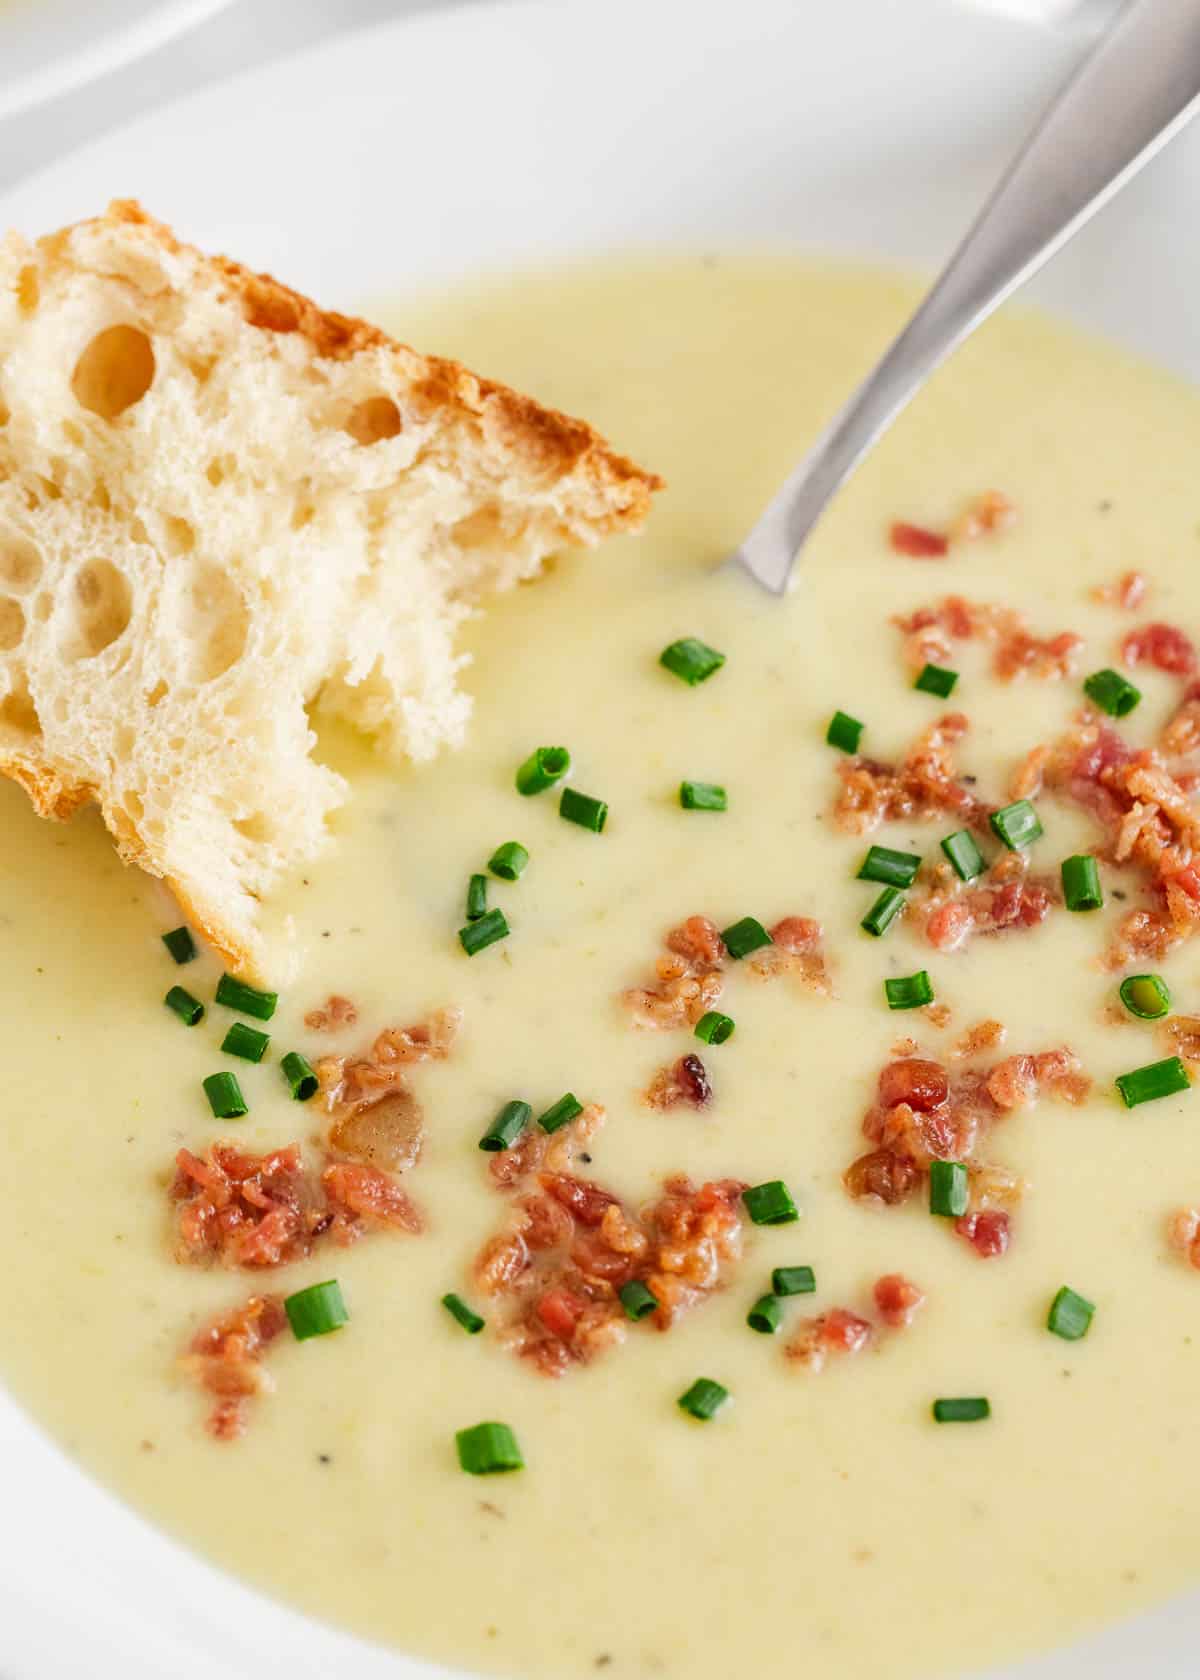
1132,94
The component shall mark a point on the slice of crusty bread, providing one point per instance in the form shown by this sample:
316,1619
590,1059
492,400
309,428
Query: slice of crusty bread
219,506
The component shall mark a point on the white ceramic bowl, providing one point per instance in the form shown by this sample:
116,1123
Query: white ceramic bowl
480,137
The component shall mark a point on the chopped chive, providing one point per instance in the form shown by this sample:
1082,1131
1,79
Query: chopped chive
508,861
948,1189
964,855
1081,883
745,936
188,1008
909,991
301,1078
793,1280
936,679
770,1203
247,1000
1112,692
1156,1079
961,1411
1070,1315
765,1315
224,1096
713,1027
507,1127
543,767
460,1311
581,808
894,869
560,1113
883,912
488,1449
704,1399
180,944
637,1300
476,897
1017,825
844,732
478,935
317,1310
692,660
702,796
246,1042
1146,996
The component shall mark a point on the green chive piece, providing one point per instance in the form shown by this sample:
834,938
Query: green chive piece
1146,996
543,767
188,1008
508,861
224,1096
247,1000
713,1027
507,1127
1156,1079
1017,825
1112,692
489,1449
704,1399
844,732
476,897
961,1411
1081,883
949,1191
936,679
581,808
1070,1315
883,912
793,1280
463,1314
560,1113
180,944
765,1316
964,855
894,869
301,1078
770,1203
702,796
246,1042
317,1310
638,1301
477,936
909,991
691,660
745,936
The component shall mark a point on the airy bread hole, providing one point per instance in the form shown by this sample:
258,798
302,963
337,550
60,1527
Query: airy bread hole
156,694
114,372
20,562
178,535
100,610
216,623
480,529
257,827
27,289
5,412
373,420
17,710
12,623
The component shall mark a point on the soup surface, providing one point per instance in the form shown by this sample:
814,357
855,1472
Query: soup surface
821,1523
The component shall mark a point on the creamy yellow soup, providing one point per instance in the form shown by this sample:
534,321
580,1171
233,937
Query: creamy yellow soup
821,1523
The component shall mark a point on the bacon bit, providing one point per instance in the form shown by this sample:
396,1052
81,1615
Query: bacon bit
920,1084
348,1083
897,1301
904,1047
1026,780
917,542
988,513
336,1012
1164,646
984,1035
1181,1036
937,1014
1183,1233
587,1203
1004,900
929,631
365,1199
987,1233
796,948
835,1332
690,979
387,1133
225,1359
1181,736
684,1081
926,784
1018,1081
882,1175
1128,591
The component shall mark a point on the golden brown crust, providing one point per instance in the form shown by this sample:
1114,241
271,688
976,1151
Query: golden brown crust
551,440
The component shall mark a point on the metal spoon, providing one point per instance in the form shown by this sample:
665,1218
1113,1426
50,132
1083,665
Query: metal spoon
1135,91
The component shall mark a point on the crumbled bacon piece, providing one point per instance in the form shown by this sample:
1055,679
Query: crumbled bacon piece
897,1300
926,784
1183,1233
938,1014
1018,1081
988,1233
917,541
921,1084
349,1082
987,513
929,631
387,1133
984,1035
336,1012
684,1081
1004,900
1181,1036
835,1332
1026,780
690,978
364,1199
1164,646
1128,591
225,1358
882,1175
